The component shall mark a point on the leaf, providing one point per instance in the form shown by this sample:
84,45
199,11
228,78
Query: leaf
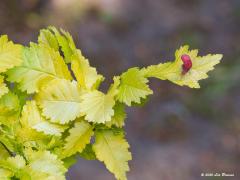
41,64
113,90
3,87
133,87
172,71
9,103
80,136
32,118
112,149
3,153
86,75
45,162
119,116
10,54
88,153
97,106
29,137
66,43
42,166
69,161
16,162
7,140
60,101
5,174
47,37
12,165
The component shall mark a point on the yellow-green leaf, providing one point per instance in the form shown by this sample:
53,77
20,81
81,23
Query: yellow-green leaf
48,163
60,101
3,152
173,71
79,137
41,64
10,54
48,38
112,149
133,87
9,103
3,87
65,41
12,164
5,174
119,116
9,109
32,118
97,106
86,75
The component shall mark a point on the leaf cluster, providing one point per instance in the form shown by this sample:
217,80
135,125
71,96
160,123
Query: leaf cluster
51,108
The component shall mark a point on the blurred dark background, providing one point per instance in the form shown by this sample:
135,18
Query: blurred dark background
180,132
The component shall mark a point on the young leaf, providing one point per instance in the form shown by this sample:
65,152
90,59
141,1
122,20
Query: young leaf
174,71
97,106
32,118
86,75
60,101
41,64
79,137
133,87
10,54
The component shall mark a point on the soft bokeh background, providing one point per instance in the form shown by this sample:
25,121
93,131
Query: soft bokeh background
181,132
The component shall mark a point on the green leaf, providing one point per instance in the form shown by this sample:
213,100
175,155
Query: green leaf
97,106
60,101
69,161
133,87
88,153
86,75
119,116
80,136
10,54
172,71
41,64
112,149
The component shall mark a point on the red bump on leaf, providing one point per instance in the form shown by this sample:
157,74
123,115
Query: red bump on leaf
187,63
